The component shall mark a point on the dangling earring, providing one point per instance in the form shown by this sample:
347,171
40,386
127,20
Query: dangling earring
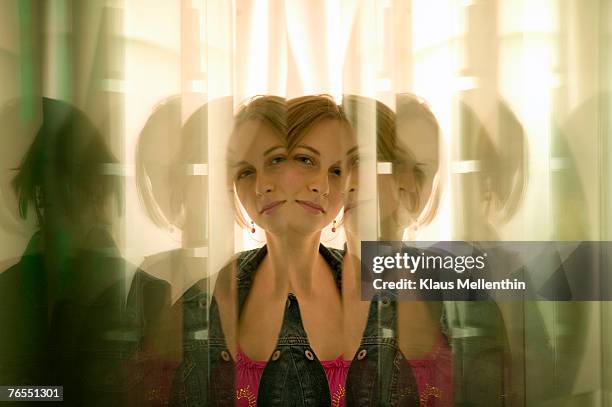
252,227
334,226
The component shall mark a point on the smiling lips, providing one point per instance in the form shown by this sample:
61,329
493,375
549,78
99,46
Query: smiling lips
311,206
271,207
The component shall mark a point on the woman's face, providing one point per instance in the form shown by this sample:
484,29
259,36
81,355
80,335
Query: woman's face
316,172
258,163
397,198
403,194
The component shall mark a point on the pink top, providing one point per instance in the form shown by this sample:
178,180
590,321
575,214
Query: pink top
248,375
434,376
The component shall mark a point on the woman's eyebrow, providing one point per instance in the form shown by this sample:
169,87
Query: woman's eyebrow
268,151
315,151
239,164
352,150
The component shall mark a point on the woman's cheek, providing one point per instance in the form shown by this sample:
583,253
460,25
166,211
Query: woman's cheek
292,179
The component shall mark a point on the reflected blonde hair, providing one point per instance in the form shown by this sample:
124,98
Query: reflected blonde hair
305,112
270,110
388,147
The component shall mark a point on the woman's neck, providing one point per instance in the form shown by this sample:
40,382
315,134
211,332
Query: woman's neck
294,263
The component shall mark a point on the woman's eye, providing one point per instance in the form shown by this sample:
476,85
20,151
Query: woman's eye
277,160
336,171
245,173
304,159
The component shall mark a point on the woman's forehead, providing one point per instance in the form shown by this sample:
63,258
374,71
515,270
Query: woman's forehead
331,136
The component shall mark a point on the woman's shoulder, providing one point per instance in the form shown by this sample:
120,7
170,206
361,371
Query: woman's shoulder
246,262
241,263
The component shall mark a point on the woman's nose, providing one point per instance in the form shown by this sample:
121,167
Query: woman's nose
319,185
352,182
264,185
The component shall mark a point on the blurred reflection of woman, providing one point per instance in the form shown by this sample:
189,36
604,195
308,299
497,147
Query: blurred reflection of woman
172,187
279,306
400,345
422,333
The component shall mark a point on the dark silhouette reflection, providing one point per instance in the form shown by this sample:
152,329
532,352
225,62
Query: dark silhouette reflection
18,131
68,313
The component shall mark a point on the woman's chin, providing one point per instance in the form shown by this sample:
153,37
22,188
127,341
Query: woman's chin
304,228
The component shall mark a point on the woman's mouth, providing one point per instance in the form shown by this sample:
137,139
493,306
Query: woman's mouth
311,207
271,207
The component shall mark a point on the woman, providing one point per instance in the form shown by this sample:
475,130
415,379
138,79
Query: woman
287,164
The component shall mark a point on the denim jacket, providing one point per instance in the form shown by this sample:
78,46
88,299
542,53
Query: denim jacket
293,376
